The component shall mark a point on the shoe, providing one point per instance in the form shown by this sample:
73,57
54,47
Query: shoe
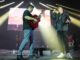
30,56
68,55
33,57
20,57
37,57
61,55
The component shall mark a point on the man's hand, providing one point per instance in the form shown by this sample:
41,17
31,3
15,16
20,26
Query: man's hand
35,20
30,18
55,11
67,21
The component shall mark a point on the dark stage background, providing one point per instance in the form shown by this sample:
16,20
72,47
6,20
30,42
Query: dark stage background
8,38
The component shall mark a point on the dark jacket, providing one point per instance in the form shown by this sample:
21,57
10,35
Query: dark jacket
61,19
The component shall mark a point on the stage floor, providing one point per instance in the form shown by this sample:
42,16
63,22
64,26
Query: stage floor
12,55
41,58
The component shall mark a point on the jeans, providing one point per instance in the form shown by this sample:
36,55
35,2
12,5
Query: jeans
28,35
63,35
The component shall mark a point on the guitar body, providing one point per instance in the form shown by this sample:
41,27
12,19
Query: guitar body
34,24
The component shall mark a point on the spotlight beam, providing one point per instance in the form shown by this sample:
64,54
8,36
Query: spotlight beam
50,36
75,21
45,6
69,8
73,13
51,6
5,16
2,1
6,5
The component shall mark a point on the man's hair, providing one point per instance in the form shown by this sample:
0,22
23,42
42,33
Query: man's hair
30,6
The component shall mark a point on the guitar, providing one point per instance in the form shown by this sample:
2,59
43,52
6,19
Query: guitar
35,24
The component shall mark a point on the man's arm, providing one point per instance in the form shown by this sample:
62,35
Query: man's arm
53,15
30,18
68,19
54,12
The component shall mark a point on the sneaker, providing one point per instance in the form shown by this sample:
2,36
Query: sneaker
61,55
68,55
20,57
33,57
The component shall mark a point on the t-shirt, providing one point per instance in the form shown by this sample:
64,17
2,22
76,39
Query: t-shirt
26,24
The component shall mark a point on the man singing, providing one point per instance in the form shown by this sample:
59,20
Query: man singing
62,21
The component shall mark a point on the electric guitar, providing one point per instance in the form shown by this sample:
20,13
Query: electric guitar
33,23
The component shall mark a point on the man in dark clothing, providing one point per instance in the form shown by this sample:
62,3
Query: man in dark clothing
62,21
28,31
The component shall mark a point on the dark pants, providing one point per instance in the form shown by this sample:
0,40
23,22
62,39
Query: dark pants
63,35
